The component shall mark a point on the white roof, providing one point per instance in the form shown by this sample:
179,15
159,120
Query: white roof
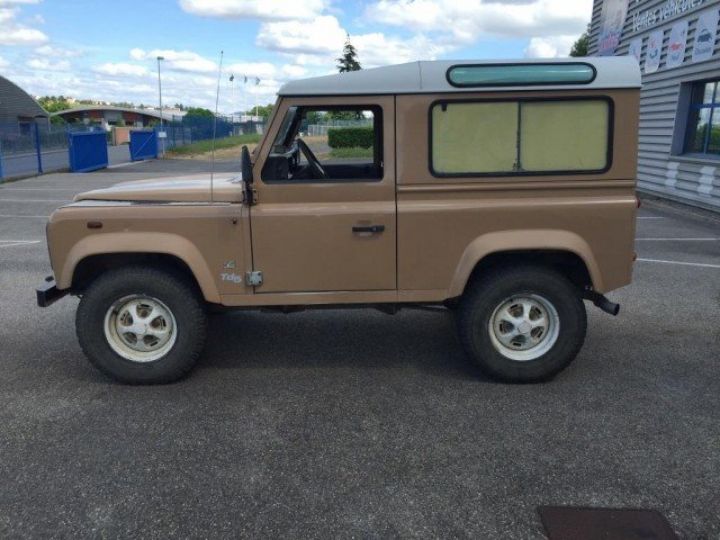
430,77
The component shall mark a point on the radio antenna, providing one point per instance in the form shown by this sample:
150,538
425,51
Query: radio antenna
212,153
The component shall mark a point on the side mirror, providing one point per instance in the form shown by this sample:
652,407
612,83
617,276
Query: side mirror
246,166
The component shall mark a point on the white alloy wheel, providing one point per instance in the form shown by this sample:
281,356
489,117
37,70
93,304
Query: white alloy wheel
524,327
140,328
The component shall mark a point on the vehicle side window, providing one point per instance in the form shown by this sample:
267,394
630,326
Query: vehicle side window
321,144
520,137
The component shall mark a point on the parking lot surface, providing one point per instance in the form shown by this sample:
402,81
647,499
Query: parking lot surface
355,423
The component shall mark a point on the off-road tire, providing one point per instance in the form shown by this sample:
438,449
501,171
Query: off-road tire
180,296
486,293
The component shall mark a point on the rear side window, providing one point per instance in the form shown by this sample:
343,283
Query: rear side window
520,137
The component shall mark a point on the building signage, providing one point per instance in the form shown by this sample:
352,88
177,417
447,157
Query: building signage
635,48
705,32
676,46
654,48
643,20
612,21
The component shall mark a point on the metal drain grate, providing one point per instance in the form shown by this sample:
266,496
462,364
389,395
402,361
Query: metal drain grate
574,523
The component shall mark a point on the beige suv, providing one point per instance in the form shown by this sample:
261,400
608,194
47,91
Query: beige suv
504,192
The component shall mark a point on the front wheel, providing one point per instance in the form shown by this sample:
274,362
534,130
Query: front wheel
522,325
141,325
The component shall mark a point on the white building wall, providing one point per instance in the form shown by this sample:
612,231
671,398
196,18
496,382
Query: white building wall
662,168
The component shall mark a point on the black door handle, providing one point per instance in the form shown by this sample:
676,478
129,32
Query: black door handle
373,229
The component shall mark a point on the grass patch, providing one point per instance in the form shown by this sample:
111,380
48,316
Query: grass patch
202,147
354,152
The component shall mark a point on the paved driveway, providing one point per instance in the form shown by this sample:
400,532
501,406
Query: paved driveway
355,423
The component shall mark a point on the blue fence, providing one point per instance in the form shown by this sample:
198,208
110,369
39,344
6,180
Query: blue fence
87,151
29,149
143,145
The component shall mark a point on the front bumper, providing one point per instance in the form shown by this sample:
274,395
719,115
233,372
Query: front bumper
48,293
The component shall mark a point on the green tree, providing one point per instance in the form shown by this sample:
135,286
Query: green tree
54,103
198,112
580,47
264,111
349,59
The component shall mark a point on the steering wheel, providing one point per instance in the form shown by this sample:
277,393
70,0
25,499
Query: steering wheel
313,162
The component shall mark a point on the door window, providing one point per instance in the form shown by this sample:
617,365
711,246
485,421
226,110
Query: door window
321,144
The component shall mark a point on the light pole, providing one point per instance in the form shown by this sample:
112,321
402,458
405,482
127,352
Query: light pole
161,132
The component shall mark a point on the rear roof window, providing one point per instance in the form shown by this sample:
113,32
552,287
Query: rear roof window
520,74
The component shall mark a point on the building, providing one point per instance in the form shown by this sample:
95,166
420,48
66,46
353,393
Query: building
18,110
676,44
109,116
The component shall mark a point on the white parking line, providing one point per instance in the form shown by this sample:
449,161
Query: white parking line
120,165
678,239
34,200
18,243
35,189
650,217
680,263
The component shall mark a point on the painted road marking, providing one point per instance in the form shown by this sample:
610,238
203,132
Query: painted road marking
3,243
119,165
35,189
680,263
19,241
34,200
650,217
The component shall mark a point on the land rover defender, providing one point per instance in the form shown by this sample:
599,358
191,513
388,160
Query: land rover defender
503,191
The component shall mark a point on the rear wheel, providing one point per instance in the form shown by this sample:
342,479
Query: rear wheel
522,325
141,325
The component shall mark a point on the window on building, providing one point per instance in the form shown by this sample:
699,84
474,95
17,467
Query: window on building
703,128
520,137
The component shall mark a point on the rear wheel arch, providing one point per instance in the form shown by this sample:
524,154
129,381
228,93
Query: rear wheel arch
567,263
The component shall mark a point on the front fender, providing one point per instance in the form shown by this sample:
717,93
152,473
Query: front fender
523,240
137,242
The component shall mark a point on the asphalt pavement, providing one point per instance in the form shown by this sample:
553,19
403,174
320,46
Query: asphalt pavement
355,423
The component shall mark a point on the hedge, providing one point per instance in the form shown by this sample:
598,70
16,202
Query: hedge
351,137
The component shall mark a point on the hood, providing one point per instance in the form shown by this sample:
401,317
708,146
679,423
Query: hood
195,188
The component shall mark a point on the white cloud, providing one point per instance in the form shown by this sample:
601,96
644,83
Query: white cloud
468,21
3,63
21,35
276,10
187,61
14,33
43,64
18,2
121,69
550,47
293,71
263,70
53,51
374,49
321,35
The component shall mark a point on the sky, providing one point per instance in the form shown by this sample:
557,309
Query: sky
107,49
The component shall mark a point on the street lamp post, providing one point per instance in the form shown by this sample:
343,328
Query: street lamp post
160,134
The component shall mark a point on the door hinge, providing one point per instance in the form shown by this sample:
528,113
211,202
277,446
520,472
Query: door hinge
254,279
250,197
